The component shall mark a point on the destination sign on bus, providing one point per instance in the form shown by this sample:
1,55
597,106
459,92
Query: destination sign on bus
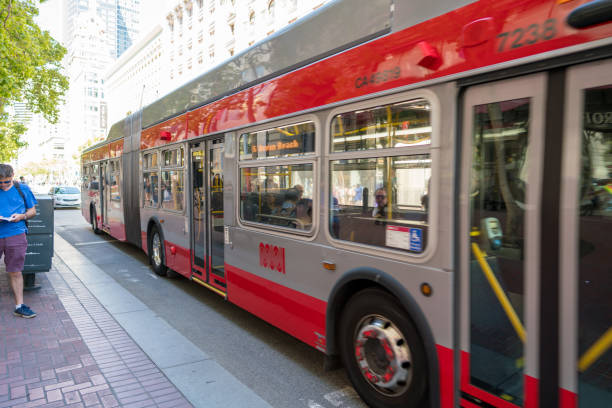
278,146
284,141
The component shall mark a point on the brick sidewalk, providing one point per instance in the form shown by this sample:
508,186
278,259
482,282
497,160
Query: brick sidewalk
73,354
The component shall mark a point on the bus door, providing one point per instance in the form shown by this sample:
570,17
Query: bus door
585,331
215,214
198,211
503,130
104,192
207,221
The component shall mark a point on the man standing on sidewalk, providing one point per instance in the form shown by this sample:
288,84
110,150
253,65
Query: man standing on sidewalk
16,205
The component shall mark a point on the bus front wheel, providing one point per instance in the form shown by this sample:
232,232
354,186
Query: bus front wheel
382,351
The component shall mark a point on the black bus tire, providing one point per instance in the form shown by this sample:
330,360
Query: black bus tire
382,351
156,253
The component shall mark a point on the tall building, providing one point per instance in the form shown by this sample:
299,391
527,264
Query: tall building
136,78
20,113
121,20
97,32
86,61
192,37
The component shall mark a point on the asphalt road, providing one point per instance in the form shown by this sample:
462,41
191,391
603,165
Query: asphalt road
280,369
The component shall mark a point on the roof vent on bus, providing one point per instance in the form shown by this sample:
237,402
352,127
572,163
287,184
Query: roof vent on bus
165,135
430,58
589,14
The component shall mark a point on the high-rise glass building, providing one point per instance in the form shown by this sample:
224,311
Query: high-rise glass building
120,19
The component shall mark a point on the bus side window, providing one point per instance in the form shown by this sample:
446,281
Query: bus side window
382,199
263,201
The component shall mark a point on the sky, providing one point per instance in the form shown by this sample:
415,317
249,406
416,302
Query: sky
50,18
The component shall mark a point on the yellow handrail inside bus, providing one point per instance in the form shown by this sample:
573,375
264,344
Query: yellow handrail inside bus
499,292
596,350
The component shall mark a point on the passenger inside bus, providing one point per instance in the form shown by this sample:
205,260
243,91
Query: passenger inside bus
166,193
147,191
380,208
271,204
93,185
290,201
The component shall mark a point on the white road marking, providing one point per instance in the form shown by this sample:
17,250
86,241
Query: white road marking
94,242
338,398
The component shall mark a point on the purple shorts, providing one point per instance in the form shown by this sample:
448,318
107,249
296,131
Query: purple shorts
14,250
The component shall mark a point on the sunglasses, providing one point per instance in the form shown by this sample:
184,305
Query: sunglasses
381,196
6,182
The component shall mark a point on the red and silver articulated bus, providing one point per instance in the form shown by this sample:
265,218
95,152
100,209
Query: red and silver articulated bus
420,190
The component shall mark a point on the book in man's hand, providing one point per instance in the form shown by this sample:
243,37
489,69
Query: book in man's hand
3,218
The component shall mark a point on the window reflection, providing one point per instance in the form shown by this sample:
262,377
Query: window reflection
595,246
497,201
115,181
381,201
277,195
172,190
398,125
151,189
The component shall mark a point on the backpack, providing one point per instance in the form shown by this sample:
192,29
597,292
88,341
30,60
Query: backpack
25,204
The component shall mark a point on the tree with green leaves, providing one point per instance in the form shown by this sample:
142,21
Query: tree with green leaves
30,71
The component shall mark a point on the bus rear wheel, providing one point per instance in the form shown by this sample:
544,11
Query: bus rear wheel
156,253
382,351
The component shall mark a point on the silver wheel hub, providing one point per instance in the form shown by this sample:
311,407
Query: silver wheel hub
156,250
383,355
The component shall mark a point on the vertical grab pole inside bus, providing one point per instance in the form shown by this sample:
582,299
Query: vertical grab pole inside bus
499,293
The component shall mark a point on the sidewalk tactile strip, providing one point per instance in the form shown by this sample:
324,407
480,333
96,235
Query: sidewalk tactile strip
73,353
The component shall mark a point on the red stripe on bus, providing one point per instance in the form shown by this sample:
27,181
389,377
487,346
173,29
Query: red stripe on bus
447,383
475,391
145,246
180,260
569,399
532,387
298,314
116,230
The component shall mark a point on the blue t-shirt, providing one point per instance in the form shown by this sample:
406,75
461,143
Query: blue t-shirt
12,203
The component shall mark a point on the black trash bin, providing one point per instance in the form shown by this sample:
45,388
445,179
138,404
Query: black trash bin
40,242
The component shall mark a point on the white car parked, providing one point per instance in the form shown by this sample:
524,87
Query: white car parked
65,196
